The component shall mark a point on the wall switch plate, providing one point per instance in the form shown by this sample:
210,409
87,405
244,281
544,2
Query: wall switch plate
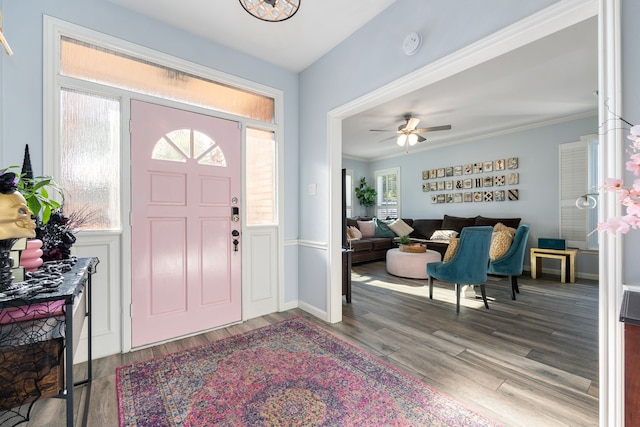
313,189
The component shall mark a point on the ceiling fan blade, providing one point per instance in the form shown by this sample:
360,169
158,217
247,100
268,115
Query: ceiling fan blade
386,139
412,123
421,138
433,129
381,130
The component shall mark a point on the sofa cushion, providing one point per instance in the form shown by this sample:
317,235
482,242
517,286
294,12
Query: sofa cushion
509,222
367,228
361,245
457,223
400,227
381,243
382,229
424,228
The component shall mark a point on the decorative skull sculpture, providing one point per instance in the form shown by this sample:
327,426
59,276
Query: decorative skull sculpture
15,217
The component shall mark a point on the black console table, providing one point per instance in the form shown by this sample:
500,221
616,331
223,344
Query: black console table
32,339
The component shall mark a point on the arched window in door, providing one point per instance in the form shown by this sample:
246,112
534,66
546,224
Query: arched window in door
182,144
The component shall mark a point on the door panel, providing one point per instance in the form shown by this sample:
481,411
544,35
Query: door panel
186,178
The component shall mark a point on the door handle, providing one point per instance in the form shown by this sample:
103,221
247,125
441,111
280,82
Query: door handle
235,214
235,234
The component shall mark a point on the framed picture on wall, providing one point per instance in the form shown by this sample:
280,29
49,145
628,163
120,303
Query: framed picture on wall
513,195
434,198
441,173
487,181
440,185
457,197
499,180
499,165
433,186
513,178
468,169
512,163
477,196
457,170
488,166
468,197
467,183
448,171
425,174
498,195
459,184
448,185
425,186
488,196
478,183
433,174
477,168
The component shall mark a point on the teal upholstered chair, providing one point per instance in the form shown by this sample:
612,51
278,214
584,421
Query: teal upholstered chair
510,264
468,266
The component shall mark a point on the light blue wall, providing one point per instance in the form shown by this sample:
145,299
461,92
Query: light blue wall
21,85
537,151
368,59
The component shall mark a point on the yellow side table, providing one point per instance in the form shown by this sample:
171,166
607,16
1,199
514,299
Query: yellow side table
567,259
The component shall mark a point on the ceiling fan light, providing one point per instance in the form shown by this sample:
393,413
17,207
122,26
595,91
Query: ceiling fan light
402,139
413,139
271,10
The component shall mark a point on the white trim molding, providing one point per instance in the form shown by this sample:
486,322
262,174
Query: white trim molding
611,150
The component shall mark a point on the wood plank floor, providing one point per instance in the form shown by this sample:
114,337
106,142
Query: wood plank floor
530,362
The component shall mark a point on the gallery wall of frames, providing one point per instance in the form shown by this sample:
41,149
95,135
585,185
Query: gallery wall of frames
489,181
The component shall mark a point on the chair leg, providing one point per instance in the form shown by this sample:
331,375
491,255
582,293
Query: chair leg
458,298
430,287
514,286
484,296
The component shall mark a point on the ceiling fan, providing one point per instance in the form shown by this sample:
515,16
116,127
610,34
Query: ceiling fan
409,134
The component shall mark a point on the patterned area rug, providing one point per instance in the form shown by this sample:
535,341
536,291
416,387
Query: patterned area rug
291,373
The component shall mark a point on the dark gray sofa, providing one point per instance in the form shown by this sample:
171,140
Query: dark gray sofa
375,248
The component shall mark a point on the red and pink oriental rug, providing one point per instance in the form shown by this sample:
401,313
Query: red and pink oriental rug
291,373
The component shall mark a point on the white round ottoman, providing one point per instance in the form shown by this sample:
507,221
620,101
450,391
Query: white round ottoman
410,265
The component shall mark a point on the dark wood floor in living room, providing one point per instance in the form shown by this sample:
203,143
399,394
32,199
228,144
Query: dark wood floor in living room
529,362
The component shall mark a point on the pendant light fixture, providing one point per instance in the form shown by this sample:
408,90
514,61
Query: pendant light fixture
271,10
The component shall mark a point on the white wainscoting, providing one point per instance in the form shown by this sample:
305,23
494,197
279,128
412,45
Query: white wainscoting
106,310
261,273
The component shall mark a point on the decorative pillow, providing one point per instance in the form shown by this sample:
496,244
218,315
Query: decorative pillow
451,249
500,243
443,234
501,227
367,228
353,233
382,229
400,227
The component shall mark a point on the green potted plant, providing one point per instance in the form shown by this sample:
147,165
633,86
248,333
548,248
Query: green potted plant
40,193
406,245
366,195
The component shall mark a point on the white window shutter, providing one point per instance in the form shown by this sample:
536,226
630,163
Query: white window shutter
574,222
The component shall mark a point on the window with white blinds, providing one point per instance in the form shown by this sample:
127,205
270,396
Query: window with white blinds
388,193
578,176
348,186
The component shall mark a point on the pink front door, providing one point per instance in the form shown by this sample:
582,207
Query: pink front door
185,188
